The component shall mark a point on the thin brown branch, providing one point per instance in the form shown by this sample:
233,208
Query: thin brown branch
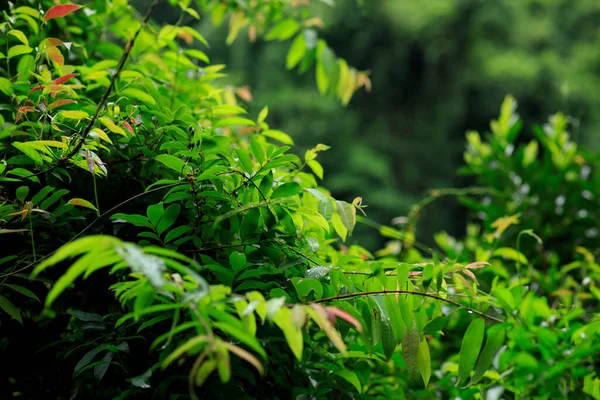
422,294
104,99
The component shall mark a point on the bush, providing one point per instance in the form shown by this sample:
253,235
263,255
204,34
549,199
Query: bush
217,260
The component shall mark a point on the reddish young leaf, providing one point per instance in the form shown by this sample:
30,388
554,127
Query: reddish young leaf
346,317
129,128
59,103
55,55
478,264
63,78
36,89
60,11
50,42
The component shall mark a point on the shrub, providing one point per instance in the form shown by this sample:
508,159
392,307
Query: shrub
185,250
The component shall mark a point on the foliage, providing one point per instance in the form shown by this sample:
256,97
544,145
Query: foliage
218,263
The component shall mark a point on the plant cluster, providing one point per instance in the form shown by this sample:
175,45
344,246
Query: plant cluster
182,249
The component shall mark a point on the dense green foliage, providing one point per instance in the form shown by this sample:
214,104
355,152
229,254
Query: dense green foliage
159,241
438,67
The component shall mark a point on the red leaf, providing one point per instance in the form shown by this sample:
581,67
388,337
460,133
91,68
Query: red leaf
37,88
346,317
50,42
478,264
129,128
470,275
26,109
56,55
63,78
59,103
60,11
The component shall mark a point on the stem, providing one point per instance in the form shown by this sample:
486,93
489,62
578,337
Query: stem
96,196
104,99
432,296
32,240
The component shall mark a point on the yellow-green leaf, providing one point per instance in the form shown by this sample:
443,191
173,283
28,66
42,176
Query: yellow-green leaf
424,361
18,50
107,122
102,135
74,114
19,35
82,203
469,349
138,95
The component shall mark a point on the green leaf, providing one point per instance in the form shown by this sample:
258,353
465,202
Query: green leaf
286,190
262,115
510,254
82,203
74,114
18,50
279,135
283,30
110,125
296,52
100,369
168,218
242,336
292,332
424,361
410,348
6,86
233,121
10,309
494,341
469,349
244,160
138,95
249,223
169,161
237,261
346,214
135,219
22,192
89,356
19,35
350,377
155,213
304,286
393,310
23,291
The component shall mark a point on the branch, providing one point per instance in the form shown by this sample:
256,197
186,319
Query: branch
110,87
432,296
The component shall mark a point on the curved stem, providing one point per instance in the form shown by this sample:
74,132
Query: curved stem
432,296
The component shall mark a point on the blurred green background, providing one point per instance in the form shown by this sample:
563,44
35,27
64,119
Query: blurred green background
438,68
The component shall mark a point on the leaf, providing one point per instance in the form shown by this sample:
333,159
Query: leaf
242,336
296,52
6,86
279,135
510,254
292,332
59,103
18,50
168,218
138,95
82,203
23,291
172,162
347,214
100,369
286,190
22,192
234,121
237,261
469,349
135,219
101,134
64,78
74,114
110,125
10,309
388,339
410,348
424,361
319,315
494,341
60,11
246,356
350,377
85,316
19,35
88,357
152,267
250,223
283,30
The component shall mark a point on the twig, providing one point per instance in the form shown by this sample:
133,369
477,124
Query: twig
104,99
432,296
